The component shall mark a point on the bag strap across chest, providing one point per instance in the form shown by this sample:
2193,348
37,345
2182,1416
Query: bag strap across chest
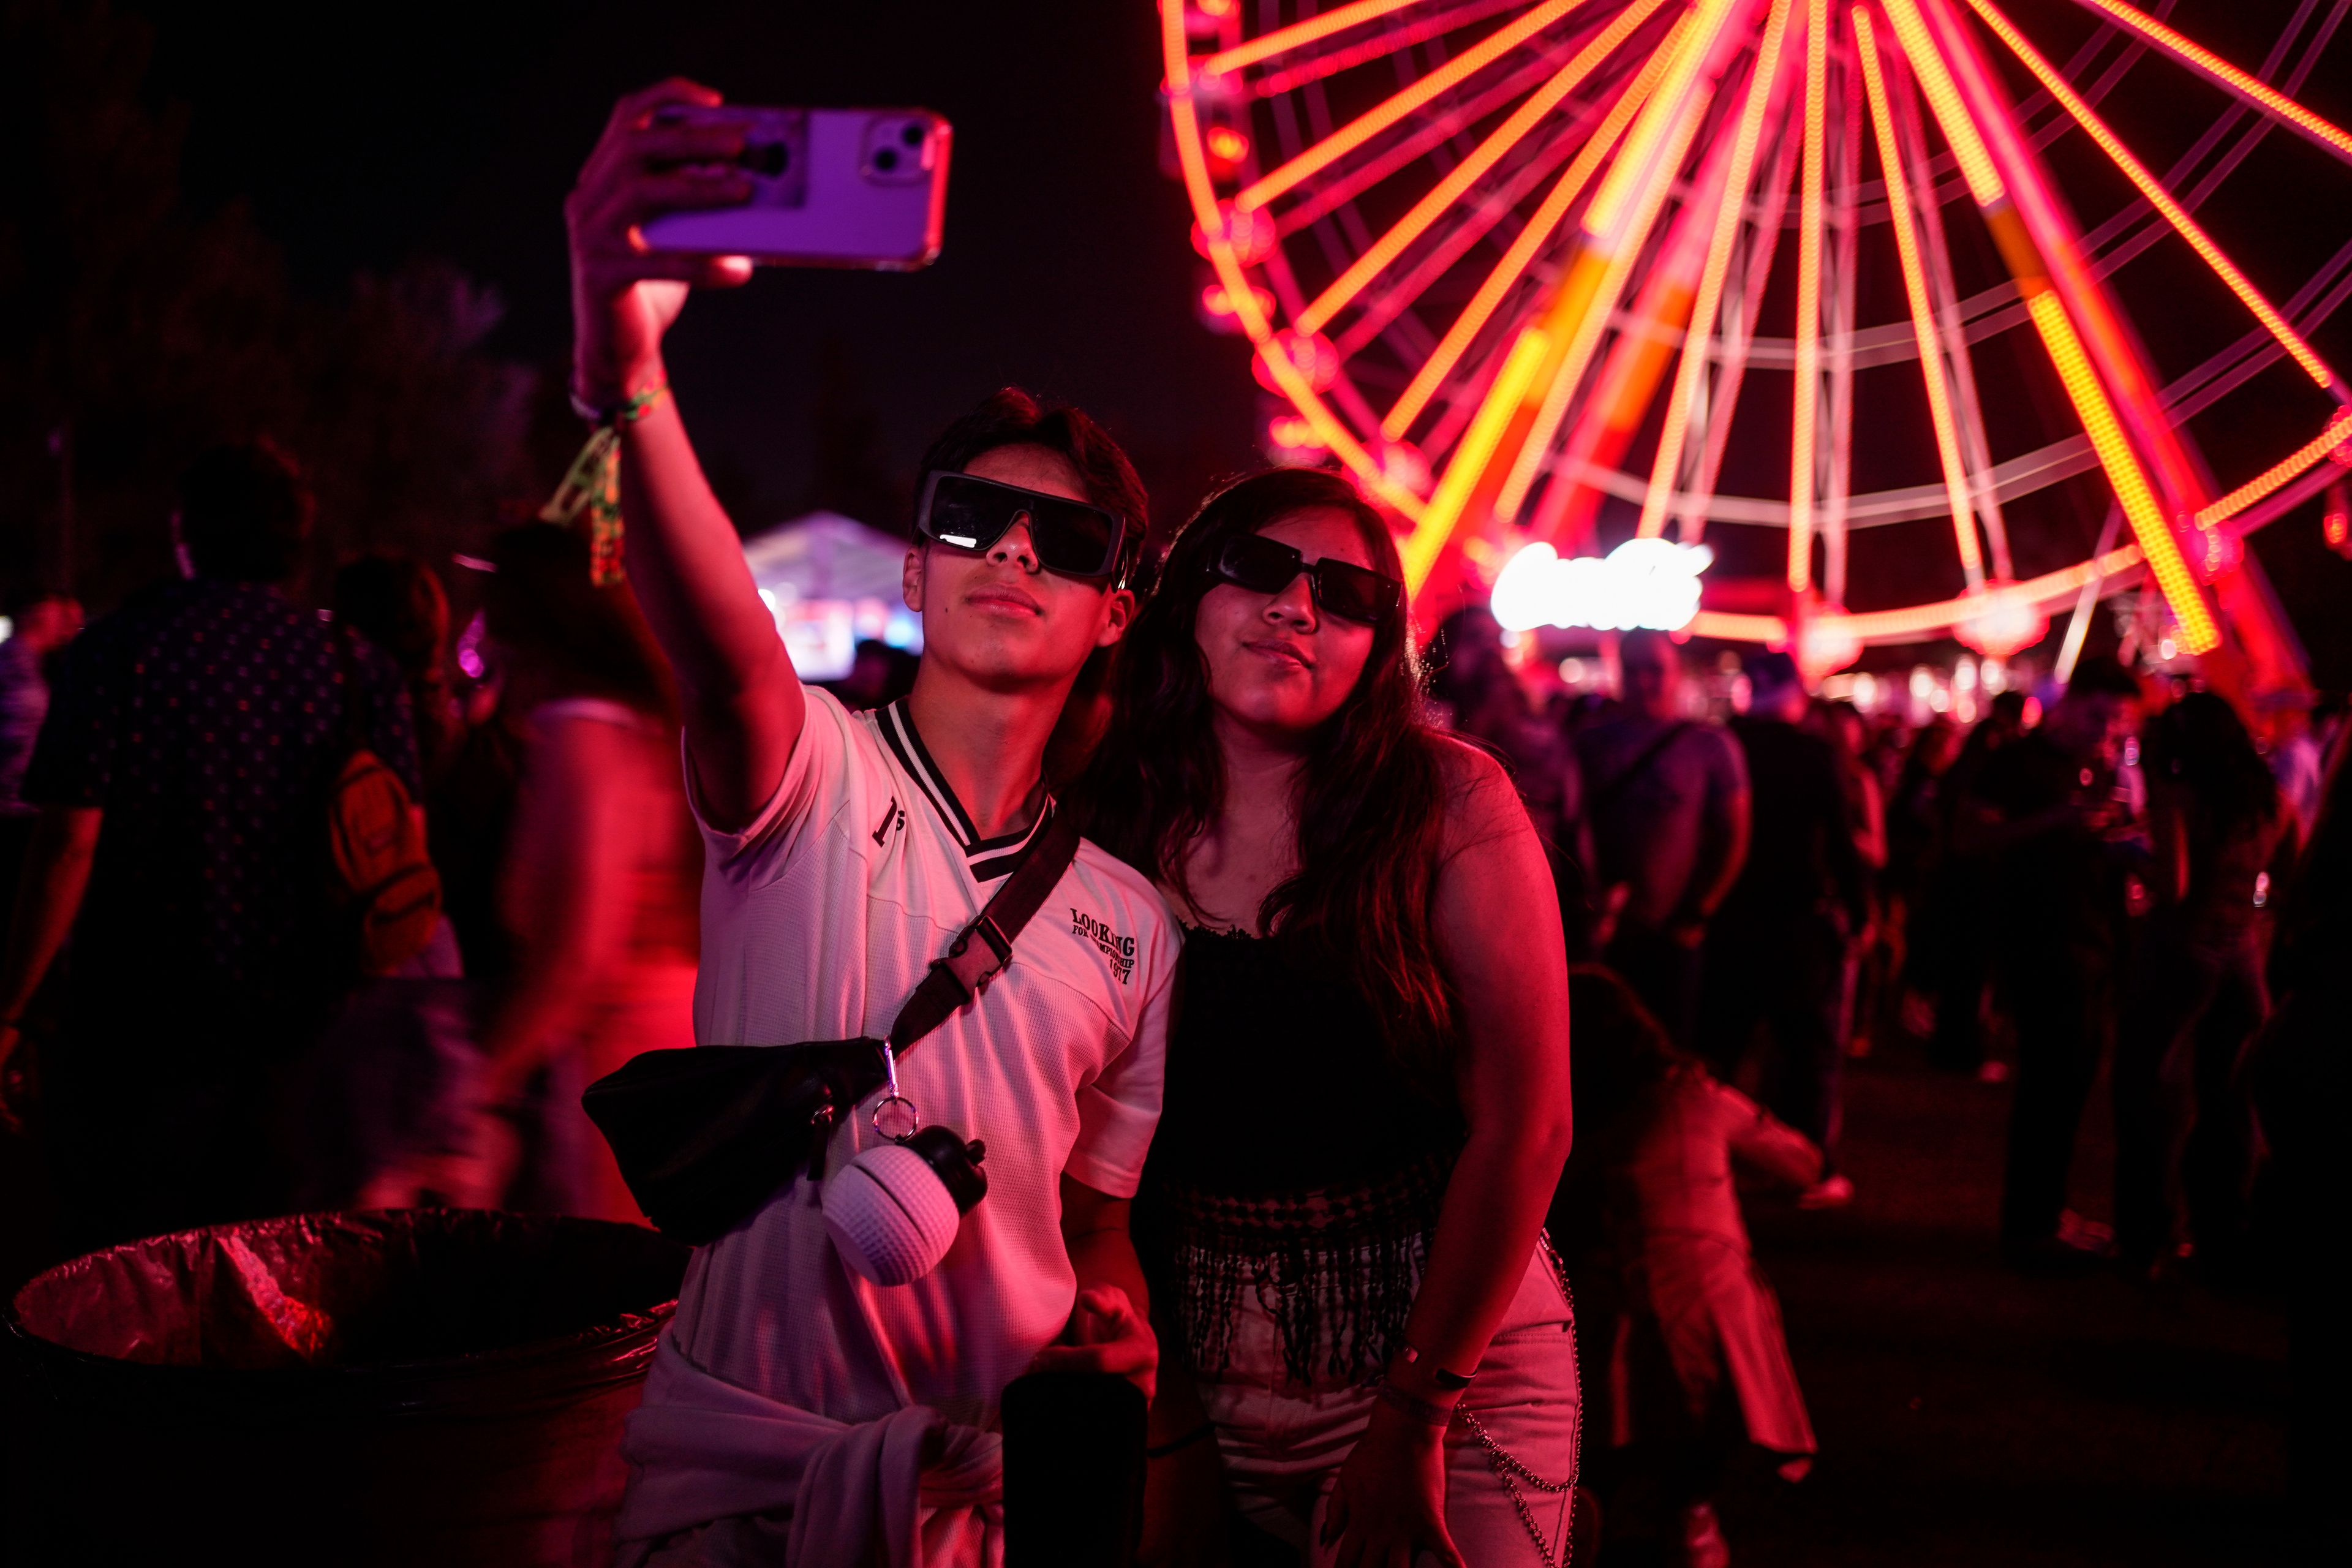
983,948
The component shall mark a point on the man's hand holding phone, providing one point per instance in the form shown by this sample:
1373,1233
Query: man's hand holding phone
624,294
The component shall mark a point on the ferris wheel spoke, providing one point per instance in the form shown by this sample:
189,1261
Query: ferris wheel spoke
2028,254
1442,197
1764,80
1333,191
1424,91
1532,238
1915,293
2248,87
1935,252
1404,33
1805,410
1475,222
1834,464
1300,34
1751,271
1615,228
2153,191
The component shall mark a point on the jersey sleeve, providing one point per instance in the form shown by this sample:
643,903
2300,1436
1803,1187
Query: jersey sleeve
818,779
1120,1111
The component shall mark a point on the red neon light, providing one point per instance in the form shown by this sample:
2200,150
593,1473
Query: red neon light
2153,189
1806,417
1710,298
1531,112
1914,288
1374,121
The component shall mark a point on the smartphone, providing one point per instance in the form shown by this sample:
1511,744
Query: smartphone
830,187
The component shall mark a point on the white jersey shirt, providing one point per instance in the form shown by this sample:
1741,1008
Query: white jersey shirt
819,918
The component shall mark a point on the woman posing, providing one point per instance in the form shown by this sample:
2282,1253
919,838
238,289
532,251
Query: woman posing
1368,1088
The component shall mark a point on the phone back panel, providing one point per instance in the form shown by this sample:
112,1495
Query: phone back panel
854,187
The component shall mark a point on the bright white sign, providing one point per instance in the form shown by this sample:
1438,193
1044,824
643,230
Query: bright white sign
1643,582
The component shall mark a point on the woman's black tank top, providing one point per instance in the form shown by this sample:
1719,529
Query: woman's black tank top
1295,1166
1278,1081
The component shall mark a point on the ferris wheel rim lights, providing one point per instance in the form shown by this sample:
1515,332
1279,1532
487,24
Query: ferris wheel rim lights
1659,119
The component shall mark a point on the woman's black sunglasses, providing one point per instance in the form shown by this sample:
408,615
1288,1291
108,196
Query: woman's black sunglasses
1266,566
1070,537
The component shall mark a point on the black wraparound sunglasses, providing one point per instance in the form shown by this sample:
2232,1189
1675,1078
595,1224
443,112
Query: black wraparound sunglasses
1266,566
1071,538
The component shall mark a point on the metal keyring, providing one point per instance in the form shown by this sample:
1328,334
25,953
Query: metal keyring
913,1118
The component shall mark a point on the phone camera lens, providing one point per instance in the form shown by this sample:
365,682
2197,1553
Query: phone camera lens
912,135
768,158
886,159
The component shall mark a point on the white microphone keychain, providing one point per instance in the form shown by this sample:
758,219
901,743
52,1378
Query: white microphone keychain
894,1211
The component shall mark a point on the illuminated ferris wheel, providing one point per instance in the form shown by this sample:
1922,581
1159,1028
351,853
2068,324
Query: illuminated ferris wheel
1530,268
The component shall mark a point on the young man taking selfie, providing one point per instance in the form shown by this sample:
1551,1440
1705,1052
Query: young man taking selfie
793,1399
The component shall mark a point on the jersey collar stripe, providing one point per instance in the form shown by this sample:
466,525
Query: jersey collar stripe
899,729
1013,845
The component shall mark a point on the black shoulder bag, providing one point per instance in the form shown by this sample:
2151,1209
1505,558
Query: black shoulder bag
705,1135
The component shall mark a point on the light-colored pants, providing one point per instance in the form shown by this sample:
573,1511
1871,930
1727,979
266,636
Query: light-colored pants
1283,1445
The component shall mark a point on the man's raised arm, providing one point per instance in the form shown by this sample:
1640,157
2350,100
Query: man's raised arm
743,702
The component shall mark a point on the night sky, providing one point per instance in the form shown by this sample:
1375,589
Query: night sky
437,129
454,131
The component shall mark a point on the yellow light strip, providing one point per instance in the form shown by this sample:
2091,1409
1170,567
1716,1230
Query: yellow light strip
1914,288
1806,417
1531,240
2198,632
1532,111
1658,123
2338,434
1281,40
1935,79
1247,309
1729,213
1420,550
2159,198
2272,102
1379,118
1616,225
1589,320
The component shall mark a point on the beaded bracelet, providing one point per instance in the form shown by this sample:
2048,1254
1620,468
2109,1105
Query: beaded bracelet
1450,1382
591,486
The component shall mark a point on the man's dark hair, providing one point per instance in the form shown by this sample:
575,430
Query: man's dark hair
244,514
1011,417
2099,676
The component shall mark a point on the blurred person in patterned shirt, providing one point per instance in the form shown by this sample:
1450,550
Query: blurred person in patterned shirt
183,778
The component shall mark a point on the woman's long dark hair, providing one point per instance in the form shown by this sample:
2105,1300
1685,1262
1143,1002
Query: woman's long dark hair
1371,794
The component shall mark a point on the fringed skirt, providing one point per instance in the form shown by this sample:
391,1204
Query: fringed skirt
1336,1269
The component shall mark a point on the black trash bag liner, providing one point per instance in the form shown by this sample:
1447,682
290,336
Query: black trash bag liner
414,1386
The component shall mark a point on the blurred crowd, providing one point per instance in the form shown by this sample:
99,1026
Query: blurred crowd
1761,886
206,1016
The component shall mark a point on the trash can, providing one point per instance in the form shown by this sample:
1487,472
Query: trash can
407,1386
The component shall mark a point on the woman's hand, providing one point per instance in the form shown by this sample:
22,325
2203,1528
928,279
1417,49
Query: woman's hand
625,295
1390,1503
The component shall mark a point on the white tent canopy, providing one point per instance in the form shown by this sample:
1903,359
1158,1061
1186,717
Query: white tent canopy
833,583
